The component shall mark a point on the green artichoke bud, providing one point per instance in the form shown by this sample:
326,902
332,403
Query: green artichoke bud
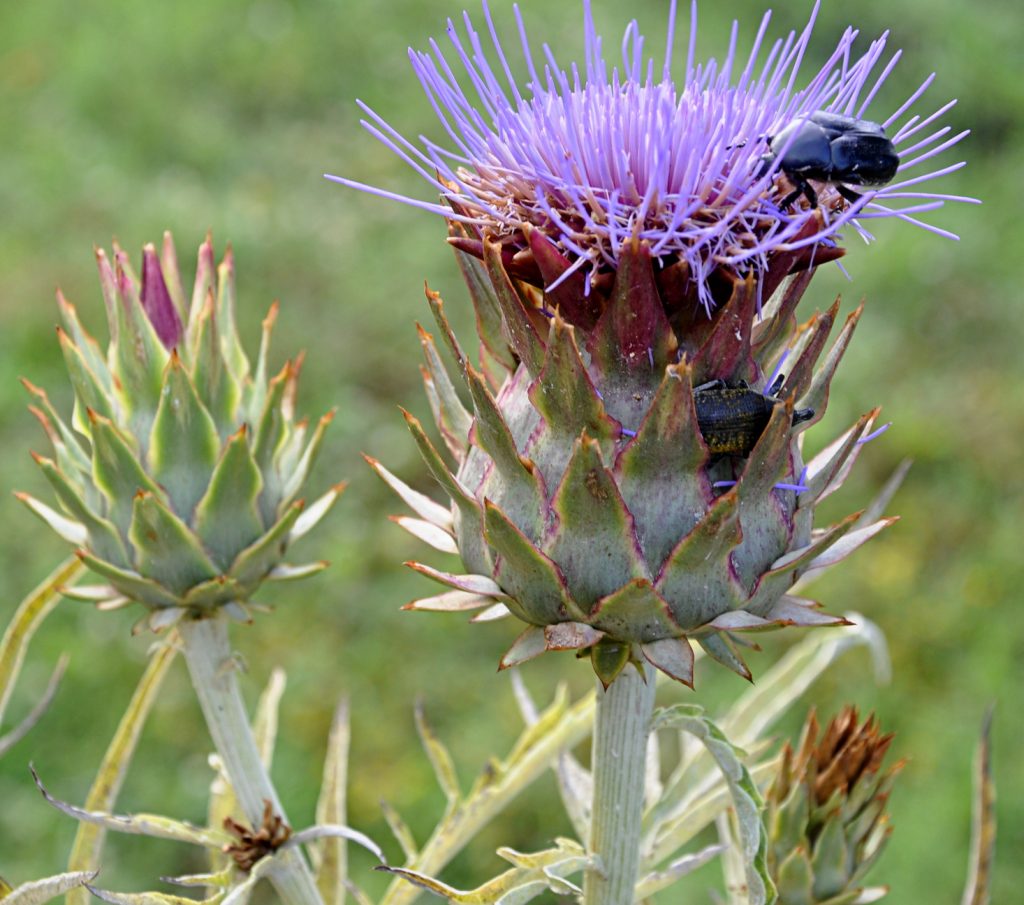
630,477
826,813
180,473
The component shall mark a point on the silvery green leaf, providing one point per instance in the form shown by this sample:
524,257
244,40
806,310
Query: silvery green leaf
785,682
695,813
12,738
264,725
500,782
26,620
440,758
662,879
360,897
746,798
331,855
240,894
652,774
88,846
38,891
333,831
666,825
148,898
221,804
533,875
91,593
153,825
575,783
86,344
576,787
220,879
401,831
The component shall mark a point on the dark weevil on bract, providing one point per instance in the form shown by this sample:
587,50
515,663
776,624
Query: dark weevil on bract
732,418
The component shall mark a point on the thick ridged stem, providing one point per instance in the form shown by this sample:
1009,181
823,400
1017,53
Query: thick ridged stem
210,663
622,725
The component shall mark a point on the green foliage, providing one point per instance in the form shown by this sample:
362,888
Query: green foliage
125,119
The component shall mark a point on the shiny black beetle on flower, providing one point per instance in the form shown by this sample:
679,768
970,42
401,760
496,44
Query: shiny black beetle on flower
839,150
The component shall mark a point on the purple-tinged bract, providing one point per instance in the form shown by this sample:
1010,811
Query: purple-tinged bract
668,150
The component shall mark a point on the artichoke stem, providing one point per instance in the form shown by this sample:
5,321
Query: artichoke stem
209,657
622,725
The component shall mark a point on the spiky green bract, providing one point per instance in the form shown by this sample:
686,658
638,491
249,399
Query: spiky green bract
586,500
826,812
180,472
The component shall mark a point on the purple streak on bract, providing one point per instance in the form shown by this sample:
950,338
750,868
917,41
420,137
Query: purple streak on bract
156,300
597,155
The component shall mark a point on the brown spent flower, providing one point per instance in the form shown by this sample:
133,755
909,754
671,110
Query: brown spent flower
255,844
826,810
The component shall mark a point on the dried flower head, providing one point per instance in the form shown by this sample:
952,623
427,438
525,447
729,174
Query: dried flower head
826,811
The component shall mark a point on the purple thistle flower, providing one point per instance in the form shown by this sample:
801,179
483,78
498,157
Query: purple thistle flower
596,156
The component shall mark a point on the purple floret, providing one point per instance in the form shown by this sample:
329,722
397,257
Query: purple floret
598,154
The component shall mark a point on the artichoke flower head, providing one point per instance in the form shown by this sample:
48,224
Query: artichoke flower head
628,475
180,473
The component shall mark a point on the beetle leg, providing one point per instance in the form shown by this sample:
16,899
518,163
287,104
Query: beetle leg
800,187
802,415
849,194
791,197
776,386
711,385
810,194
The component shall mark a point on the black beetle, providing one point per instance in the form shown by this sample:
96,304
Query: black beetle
835,149
732,418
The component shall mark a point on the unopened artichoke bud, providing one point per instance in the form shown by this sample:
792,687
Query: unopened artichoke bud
629,475
826,815
180,473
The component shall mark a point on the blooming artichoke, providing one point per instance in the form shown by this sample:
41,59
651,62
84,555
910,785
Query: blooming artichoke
826,812
180,473
629,476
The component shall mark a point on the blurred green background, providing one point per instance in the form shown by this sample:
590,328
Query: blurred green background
123,119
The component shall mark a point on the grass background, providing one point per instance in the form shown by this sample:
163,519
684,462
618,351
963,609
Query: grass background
123,119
